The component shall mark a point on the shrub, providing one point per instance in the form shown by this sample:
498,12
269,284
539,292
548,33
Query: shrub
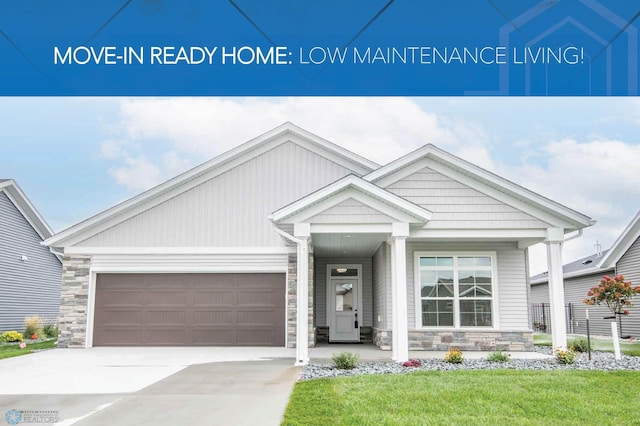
579,344
50,331
10,336
498,356
345,360
453,356
565,356
32,324
412,363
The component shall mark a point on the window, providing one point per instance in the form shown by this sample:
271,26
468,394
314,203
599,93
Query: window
456,290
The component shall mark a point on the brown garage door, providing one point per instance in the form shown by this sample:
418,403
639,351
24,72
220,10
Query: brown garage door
189,309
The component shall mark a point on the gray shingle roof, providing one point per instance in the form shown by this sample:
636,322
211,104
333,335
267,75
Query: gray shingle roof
584,264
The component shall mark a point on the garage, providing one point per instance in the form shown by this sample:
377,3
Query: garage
190,310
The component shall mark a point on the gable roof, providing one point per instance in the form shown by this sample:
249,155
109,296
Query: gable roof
501,186
26,208
405,207
630,234
284,133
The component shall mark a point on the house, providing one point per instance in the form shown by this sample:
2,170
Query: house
623,258
29,272
290,238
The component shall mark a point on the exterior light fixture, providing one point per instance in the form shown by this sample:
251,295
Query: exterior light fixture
341,270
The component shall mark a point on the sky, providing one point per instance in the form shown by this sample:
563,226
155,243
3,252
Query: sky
75,157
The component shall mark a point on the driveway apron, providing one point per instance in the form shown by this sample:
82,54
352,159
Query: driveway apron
225,393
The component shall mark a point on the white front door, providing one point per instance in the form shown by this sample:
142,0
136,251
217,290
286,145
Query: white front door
344,304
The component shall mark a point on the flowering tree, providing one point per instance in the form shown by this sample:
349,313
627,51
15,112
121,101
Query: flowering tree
614,292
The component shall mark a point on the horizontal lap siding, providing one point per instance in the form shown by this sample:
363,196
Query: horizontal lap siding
231,209
512,280
629,266
455,205
540,293
26,287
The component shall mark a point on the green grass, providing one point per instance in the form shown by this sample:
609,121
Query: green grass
498,397
9,351
606,345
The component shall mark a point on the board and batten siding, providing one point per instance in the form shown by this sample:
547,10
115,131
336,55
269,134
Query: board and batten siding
350,211
378,279
320,287
512,280
455,205
229,210
30,287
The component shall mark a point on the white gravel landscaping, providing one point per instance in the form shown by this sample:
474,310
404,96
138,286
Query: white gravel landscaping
599,361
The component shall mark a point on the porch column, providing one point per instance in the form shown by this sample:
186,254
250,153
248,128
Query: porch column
555,237
302,231
400,328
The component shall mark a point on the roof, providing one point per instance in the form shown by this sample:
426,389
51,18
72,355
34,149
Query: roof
372,174
599,263
547,210
26,208
630,234
586,266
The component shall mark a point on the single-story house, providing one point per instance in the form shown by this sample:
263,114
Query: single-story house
623,258
30,274
289,239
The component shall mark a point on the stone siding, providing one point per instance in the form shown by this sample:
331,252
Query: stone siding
73,302
292,302
428,340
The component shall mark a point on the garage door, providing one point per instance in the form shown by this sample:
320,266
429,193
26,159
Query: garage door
189,309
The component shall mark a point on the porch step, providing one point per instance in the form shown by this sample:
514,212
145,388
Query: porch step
366,334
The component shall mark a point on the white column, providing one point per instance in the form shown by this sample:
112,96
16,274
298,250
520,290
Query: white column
400,327
302,231
555,237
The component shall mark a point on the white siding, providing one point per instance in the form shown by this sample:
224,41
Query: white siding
320,288
190,262
379,285
231,209
455,205
30,287
350,211
511,287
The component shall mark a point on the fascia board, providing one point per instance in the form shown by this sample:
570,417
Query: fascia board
622,243
26,208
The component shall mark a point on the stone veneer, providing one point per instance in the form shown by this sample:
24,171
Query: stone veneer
72,322
516,341
292,301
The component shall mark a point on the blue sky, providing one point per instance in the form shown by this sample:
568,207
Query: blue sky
75,157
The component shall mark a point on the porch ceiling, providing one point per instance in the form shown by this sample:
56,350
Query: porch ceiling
352,245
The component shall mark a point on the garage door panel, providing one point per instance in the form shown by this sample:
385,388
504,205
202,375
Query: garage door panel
214,298
190,309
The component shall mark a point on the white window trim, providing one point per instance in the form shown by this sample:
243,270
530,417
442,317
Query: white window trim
495,320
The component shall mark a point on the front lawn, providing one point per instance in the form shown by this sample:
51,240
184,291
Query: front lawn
496,397
605,345
8,351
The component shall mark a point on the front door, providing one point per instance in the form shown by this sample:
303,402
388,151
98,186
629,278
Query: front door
345,303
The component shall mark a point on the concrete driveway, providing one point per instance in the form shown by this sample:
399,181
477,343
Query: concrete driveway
113,386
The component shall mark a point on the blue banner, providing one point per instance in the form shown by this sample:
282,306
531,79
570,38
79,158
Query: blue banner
345,48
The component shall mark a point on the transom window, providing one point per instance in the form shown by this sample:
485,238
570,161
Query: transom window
456,290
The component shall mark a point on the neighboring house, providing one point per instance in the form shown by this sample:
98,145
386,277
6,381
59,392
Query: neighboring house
623,258
29,272
427,252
